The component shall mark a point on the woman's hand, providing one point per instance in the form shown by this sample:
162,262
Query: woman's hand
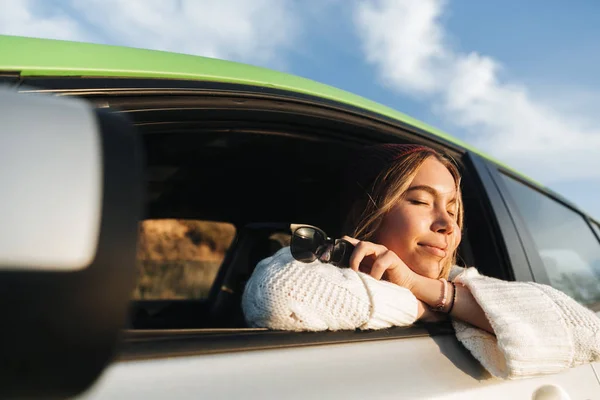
379,262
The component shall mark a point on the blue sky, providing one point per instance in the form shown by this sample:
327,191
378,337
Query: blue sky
519,80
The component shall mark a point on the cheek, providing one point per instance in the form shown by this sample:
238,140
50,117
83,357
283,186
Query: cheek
457,236
399,229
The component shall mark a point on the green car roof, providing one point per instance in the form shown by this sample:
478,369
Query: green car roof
47,57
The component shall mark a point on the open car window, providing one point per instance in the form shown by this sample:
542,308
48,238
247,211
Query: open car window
260,172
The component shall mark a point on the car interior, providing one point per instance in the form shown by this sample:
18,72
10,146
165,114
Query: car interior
260,171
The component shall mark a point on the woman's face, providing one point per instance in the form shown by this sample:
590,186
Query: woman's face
421,229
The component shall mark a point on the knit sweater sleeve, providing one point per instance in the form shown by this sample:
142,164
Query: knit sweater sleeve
538,329
286,294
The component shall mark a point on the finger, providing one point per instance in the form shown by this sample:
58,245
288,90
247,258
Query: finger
362,250
351,240
383,263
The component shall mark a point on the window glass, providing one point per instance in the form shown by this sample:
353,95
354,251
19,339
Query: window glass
179,259
568,248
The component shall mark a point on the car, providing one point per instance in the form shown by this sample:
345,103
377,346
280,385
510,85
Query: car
232,156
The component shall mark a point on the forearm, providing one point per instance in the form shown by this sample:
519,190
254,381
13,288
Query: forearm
465,307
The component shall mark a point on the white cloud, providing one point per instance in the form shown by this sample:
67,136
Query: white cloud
252,31
403,39
24,18
407,43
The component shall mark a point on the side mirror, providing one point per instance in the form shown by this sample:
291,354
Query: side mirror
71,197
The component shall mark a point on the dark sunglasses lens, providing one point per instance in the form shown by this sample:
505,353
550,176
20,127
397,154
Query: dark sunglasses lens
341,253
305,242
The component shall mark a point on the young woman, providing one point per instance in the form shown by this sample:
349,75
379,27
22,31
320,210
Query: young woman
405,220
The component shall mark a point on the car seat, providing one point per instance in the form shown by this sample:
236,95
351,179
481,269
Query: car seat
253,243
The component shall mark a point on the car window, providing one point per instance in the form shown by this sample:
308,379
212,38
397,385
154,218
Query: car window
179,259
569,250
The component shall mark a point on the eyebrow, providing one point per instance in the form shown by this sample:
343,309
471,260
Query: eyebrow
429,190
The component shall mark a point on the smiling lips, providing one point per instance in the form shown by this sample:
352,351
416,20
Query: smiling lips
438,251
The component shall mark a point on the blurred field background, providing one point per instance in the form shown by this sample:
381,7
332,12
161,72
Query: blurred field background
179,259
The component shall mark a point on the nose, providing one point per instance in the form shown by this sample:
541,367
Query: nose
444,224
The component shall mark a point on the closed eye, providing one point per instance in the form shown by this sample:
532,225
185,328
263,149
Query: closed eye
418,202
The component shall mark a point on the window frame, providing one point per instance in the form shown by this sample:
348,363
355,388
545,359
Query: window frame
151,344
510,239
595,227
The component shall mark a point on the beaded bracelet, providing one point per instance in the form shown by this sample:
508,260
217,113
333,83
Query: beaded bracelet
453,298
442,304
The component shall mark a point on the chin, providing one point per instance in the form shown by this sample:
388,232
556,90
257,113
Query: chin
428,270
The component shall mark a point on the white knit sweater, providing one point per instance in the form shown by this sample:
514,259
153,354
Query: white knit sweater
538,330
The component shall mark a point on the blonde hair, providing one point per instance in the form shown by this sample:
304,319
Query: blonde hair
389,187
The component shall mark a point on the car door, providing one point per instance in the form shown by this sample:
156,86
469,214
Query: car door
407,368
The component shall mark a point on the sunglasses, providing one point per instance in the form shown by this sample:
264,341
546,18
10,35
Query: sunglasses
310,243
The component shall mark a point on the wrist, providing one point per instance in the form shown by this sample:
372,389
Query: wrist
440,305
424,314
432,292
